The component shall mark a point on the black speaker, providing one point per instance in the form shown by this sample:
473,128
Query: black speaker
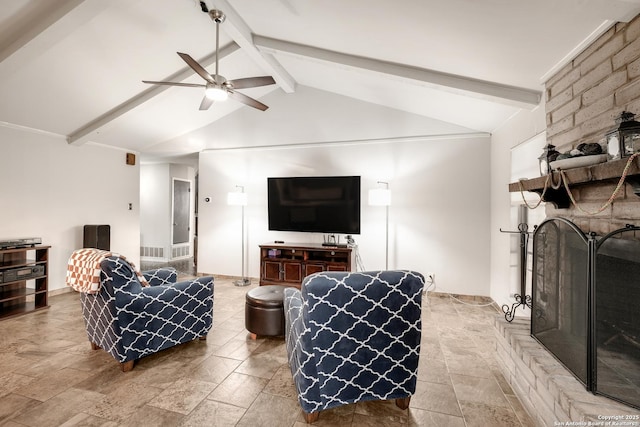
97,236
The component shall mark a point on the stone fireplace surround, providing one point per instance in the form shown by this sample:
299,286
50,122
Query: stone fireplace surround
582,101
550,392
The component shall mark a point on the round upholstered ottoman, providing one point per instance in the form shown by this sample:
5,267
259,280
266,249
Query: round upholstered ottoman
264,311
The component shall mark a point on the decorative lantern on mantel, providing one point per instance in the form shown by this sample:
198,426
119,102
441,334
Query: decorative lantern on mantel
625,139
548,155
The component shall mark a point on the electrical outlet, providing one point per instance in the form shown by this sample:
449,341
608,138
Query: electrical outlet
431,277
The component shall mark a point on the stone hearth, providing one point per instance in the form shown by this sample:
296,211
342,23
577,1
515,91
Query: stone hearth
547,390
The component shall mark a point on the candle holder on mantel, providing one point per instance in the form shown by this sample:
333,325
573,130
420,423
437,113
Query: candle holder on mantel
548,155
624,140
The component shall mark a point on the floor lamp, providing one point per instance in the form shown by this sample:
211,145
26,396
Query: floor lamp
239,198
382,197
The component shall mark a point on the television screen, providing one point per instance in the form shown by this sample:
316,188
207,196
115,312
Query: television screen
324,204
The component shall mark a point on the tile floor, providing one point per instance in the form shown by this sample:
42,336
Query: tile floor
49,376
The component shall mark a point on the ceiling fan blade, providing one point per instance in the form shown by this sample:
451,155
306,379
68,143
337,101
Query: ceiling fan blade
247,100
251,82
196,67
173,84
206,103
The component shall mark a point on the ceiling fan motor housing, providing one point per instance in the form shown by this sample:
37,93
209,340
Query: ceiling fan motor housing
217,16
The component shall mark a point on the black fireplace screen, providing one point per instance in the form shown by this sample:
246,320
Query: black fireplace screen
617,322
560,289
585,300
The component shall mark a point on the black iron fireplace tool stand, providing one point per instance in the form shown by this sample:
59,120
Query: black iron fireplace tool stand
522,299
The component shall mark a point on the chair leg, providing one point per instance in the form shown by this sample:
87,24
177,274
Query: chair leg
95,346
403,403
203,338
311,417
127,366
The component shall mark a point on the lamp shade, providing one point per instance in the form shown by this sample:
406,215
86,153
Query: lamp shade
380,197
237,198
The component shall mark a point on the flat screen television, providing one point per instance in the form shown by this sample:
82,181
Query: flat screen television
323,204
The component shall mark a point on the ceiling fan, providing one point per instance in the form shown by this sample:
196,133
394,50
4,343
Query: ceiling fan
218,88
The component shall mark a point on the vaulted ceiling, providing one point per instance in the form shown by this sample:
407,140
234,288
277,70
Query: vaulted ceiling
74,68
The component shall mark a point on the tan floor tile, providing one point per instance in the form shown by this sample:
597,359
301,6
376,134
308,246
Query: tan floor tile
110,379
282,384
238,349
86,420
421,418
163,375
470,365
479,390
270,410
60,409
12,405
238,390
11,361
385,410
149,416
218,336
52,383
520,412
263,366
123,402
435,397
433,371
369,421
213,369
233,323
213,414
183,395
480,415
334,417
11,381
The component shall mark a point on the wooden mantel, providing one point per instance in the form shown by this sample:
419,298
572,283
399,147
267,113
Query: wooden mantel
604,172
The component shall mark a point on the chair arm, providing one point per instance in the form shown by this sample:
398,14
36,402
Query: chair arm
292,310
299,350
161,276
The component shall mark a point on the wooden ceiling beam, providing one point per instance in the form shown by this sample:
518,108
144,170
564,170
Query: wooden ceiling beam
235,27
497,92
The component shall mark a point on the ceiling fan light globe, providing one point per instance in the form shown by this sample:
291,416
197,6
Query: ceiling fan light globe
216,93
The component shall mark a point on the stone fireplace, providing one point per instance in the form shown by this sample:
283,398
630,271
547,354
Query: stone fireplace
587,274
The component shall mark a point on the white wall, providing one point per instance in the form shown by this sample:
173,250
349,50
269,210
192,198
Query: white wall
51,190
156,205
439,218
523,126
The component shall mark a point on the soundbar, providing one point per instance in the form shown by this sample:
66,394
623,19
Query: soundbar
20,243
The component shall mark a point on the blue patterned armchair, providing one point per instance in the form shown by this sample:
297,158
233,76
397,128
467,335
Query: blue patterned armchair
131,321
354,336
